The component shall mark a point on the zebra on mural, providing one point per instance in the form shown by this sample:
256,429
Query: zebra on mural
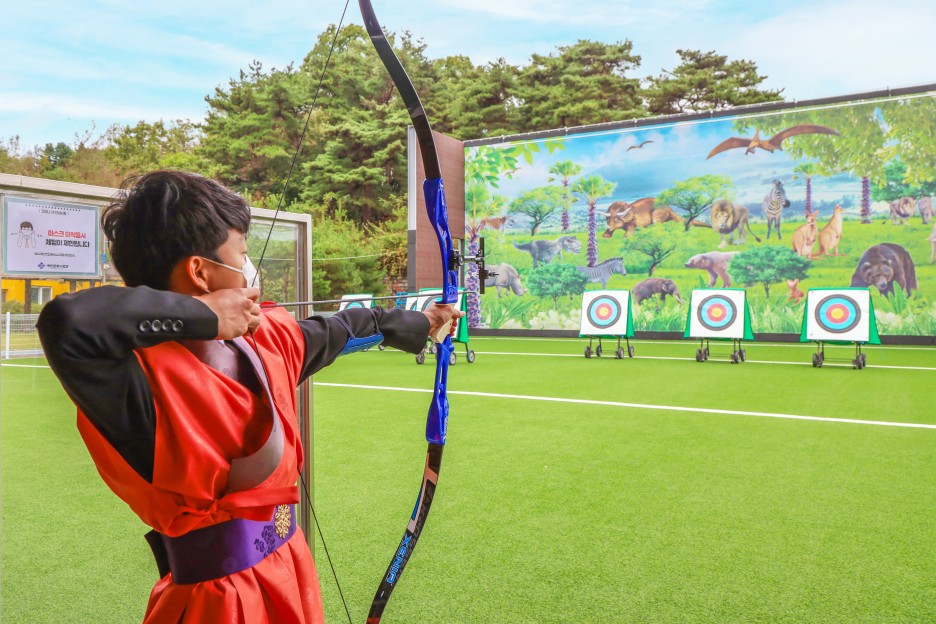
602,272
774,203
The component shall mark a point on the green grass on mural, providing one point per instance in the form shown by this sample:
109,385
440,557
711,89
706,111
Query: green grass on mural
913,316
550,511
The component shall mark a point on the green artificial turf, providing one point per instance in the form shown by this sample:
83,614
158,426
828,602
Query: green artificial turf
549,511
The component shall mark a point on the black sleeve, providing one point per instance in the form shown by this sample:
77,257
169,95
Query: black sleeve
325,337
89,338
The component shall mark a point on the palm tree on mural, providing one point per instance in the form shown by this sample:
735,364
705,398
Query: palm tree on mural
565,170
592,189
807,170
478,205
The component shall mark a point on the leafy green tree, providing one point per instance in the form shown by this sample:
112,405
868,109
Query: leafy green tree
862,146
359,146
148,146
695,195
538,204
705,81
592,189
58,155
583,83
565,170
337,238
475,101
252,129
657,243
910,128
555,280
768,265
894,186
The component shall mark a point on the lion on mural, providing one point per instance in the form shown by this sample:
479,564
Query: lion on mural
730,219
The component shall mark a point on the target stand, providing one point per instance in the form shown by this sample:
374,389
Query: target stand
719,314
839,316
425,298
607,314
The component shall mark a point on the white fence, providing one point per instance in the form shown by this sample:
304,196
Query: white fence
18,332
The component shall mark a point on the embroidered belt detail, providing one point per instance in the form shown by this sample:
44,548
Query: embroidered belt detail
222,549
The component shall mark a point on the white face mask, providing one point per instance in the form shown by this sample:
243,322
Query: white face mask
248,271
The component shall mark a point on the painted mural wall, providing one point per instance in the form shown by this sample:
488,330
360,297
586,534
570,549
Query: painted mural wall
777,202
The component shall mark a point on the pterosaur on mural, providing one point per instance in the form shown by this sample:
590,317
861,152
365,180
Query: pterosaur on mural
770,145
851,182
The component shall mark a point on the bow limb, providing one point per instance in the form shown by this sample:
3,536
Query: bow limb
437,419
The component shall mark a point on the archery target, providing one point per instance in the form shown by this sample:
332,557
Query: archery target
605,313
356,301
412,302
717,314
838,315
429,295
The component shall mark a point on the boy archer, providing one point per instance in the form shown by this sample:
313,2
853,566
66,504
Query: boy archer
185,388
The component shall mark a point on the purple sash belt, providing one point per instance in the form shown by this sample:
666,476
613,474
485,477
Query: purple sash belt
222,549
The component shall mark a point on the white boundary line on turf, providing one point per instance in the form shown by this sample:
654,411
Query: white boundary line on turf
689,359
25,365
669,408
788,345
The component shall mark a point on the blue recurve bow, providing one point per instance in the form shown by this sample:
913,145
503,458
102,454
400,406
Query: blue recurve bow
437,420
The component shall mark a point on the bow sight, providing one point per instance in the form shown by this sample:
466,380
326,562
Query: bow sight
456,259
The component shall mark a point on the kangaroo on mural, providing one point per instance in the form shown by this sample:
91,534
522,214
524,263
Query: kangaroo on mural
831,234
804,238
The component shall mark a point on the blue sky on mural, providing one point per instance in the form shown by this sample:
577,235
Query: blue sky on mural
677,151
66,65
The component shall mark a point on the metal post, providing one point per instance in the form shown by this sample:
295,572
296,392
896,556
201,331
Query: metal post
6,351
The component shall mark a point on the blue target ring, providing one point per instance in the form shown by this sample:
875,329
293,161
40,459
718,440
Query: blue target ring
355,304
429,301
717,313
838,314
604,312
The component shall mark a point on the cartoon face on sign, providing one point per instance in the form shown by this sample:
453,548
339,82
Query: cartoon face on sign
605,313
838,315
717,313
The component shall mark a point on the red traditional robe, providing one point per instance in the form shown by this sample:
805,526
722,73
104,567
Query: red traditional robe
162,428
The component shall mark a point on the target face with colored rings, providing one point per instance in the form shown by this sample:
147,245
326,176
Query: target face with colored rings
838,314
717,312
355,304
604,312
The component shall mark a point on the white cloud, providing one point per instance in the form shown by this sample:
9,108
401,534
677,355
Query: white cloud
842,47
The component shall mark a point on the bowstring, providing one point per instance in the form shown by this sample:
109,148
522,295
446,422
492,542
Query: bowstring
279,205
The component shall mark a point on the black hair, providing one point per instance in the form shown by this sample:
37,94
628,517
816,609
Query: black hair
163,217
26,224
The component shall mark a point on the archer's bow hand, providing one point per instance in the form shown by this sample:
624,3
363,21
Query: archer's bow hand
440,320
237,310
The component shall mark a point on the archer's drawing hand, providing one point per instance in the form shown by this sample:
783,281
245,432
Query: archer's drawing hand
237,310
440,320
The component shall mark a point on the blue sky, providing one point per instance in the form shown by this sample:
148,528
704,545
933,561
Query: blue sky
68,65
